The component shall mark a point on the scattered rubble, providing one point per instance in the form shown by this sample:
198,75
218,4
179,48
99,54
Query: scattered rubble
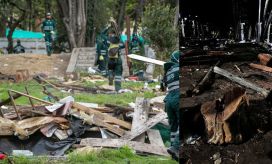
226,104
65,123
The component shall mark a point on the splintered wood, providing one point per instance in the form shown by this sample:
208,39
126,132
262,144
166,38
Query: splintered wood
150,123
140,116
24,128
260,67
265,59
223,117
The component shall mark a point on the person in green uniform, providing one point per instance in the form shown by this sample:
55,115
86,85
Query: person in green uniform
48,28
171,82
102,54
115,62
135,45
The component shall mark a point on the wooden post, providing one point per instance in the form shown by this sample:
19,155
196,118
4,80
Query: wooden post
127,43
14,105
30,100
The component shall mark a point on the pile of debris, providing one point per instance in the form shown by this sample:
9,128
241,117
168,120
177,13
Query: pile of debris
47,128
226,101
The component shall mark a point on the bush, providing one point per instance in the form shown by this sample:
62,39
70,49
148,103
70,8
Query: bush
158,27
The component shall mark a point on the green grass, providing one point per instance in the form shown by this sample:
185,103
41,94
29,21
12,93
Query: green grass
121,99
122,155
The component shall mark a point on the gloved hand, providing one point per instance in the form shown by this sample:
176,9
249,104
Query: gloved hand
43,34
52,32
101,57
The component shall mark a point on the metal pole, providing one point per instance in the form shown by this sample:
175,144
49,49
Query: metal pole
268,34
182,28
242,31
259,22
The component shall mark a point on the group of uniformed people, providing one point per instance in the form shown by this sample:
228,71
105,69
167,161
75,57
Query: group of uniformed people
110,64
108,49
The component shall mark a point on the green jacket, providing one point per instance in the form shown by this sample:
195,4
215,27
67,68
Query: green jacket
48,25
171,78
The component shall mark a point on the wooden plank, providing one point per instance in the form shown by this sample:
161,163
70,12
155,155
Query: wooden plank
32,97
146,59
155,137
116,143
261,67
105,117
117,107
95,119
140,116
240,81
149,124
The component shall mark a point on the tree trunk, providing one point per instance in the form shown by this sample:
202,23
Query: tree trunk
2,27
177,14
47,4
12,27
74,19
138,13
122,14
81,23
30,15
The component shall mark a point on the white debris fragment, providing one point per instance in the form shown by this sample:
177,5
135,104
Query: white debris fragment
91,70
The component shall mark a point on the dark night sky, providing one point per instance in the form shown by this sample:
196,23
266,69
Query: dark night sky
219,12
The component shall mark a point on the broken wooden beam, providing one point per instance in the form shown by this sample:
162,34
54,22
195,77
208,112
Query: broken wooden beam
154,137
207,80
148,124
117,143
240,81
32,97
140,116
106,117
98,121
117,107
14,105
261,67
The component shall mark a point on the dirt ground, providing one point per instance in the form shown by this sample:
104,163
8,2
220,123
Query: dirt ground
52,66
257,144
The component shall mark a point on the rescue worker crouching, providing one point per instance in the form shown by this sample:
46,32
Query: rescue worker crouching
19,48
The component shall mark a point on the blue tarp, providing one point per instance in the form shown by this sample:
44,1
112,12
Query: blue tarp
21,34
124,38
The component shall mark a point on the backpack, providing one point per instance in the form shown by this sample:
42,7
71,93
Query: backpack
113,50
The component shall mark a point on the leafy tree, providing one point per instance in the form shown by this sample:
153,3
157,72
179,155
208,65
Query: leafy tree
13,15
158,26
